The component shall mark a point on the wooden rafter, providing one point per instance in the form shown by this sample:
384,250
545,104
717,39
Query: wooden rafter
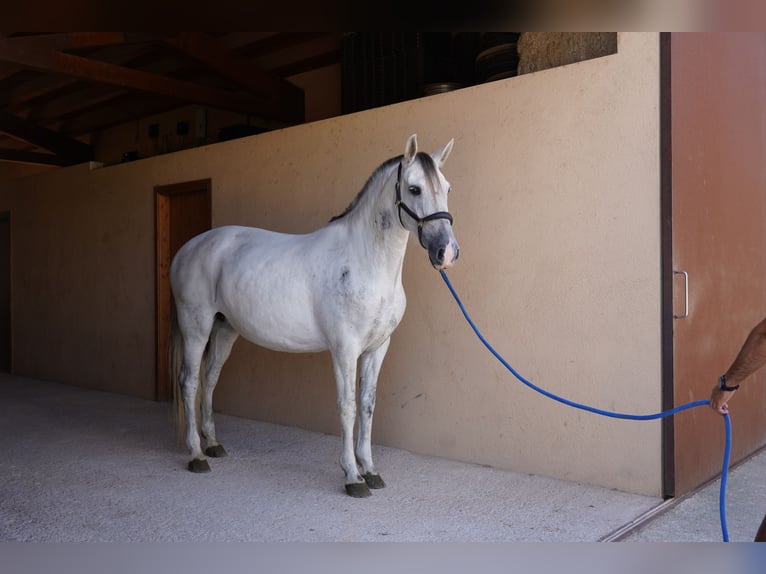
20,97
119,110
55,87
21,156
275,42
46,56
75,103
7,70
69,150
232,65
319,61
75,40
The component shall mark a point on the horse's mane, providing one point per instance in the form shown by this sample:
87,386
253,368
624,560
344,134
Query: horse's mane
377,174
428,166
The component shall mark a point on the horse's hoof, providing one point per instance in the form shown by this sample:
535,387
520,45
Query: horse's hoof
199,465
216,451
357,490
373,480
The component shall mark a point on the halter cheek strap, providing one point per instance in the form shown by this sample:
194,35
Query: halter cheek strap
400,205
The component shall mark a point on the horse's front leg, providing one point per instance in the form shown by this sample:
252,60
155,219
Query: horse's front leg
368,381
344,366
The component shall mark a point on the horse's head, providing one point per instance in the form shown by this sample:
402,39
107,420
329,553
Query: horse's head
421,200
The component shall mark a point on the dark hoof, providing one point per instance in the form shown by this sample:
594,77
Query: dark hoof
216,451
357,490
373,480
199,465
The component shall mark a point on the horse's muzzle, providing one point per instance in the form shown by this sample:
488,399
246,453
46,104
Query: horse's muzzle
443,255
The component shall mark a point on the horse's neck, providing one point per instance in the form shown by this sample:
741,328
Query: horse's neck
377,227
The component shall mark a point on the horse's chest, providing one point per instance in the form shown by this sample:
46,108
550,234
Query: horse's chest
382,325
375,312
386,316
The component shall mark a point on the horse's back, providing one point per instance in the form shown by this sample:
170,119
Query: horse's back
212,247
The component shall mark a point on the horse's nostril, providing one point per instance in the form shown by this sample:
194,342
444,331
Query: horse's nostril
440,255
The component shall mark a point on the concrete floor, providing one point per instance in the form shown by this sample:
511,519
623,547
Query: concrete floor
89,466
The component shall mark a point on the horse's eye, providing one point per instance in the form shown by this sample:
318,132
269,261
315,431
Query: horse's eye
414,190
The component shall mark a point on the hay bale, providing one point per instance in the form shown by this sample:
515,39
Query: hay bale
543,50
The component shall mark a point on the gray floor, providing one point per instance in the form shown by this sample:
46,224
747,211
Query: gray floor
83,465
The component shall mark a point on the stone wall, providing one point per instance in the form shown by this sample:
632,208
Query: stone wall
543,50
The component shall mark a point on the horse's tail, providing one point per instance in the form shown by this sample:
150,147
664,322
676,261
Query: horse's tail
175,359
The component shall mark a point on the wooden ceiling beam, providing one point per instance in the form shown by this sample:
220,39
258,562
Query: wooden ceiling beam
75,40
237,68
229,64
308,64
68,149
99,39
51,60
17,97
276,42
20,156
118,111
7,70
75,103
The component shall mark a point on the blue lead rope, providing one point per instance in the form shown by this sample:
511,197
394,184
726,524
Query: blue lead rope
615,415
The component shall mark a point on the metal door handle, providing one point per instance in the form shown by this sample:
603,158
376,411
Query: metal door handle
686,294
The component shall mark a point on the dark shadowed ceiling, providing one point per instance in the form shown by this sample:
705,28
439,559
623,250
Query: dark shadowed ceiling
56,88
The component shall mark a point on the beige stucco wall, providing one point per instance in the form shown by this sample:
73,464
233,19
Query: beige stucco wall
83,277
555,179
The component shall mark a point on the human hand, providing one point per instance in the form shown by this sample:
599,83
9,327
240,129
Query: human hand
719,400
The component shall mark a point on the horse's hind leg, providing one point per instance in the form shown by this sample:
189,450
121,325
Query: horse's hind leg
194,329
369,368
189,383
222,338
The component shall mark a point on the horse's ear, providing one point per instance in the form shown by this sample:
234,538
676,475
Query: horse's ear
411,149
441,156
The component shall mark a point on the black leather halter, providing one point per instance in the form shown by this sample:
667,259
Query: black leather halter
419,220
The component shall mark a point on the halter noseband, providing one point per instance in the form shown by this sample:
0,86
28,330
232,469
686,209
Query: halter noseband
419,220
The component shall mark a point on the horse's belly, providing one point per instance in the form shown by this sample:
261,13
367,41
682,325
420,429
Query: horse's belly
289,329
280,328
290,344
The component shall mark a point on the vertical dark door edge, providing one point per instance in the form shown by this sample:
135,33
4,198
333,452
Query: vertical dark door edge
666,242
6,216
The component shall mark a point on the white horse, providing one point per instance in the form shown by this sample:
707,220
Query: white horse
338,288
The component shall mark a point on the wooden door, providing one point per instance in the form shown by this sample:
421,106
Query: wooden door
5,292
714,194
182,211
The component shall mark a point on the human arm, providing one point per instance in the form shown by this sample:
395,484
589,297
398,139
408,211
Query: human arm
751,357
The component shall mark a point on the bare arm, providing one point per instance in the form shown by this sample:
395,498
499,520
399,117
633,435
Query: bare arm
751,357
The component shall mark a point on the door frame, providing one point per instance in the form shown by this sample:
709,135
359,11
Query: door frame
5,216
163,297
